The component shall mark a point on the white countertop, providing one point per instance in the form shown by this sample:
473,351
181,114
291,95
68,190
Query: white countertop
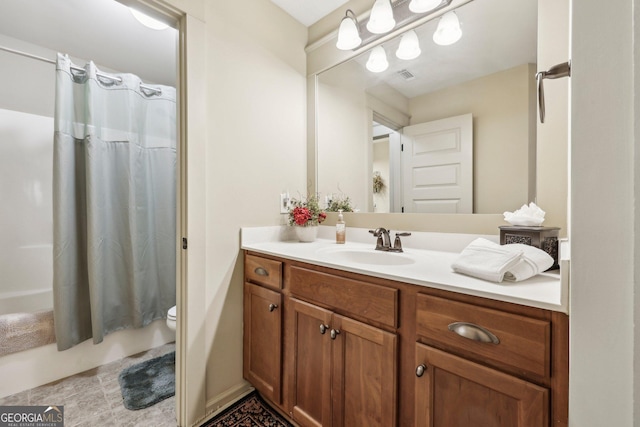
428,265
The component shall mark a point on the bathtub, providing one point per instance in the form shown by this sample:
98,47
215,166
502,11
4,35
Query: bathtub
26,301
26,298
27,279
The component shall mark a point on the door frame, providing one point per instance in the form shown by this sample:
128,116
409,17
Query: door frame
191,196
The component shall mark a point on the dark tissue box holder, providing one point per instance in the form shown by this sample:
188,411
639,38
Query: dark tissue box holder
545,238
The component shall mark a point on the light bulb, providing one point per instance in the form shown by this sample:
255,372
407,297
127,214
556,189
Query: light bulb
381,19
422,6
377,62
448,31
409,47
348,35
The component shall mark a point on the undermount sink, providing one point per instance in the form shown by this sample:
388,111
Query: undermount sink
365,256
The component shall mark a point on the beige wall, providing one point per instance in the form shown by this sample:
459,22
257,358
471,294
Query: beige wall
553,135
255,148
502,131
344,128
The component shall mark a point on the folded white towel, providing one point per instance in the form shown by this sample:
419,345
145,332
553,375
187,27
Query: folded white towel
532,262
490,261
486,260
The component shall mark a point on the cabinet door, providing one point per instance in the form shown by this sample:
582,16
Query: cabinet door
310,389
364,375
451,391
262,359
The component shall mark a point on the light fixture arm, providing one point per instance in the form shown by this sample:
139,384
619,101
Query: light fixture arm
353,16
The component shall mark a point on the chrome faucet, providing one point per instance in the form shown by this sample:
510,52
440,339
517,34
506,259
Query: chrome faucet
384,241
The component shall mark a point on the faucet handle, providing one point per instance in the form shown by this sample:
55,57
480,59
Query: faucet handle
378,231
397,244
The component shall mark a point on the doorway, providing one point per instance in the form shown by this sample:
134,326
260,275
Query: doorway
30,92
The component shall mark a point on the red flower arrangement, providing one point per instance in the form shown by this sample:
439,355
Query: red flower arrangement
304,213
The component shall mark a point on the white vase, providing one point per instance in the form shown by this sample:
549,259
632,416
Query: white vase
307,234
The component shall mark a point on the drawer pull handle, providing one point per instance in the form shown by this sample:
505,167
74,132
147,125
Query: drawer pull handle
334,333
273,307
473,332
323,329
261,271
420,370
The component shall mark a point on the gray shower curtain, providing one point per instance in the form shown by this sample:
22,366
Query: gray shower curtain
114,203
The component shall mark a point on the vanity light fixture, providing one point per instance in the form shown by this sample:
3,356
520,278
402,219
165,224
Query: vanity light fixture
448,31
422,6
377,62
381,19
409,47
348,34
148,21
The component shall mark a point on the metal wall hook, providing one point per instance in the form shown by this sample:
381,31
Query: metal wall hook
555,72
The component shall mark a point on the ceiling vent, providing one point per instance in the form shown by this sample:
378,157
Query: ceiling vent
406,75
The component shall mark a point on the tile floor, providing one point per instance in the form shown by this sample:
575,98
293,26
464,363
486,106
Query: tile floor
93,398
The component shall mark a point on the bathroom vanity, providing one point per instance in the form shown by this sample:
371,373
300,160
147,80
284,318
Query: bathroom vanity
349,343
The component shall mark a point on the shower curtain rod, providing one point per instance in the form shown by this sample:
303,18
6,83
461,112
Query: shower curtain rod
98,73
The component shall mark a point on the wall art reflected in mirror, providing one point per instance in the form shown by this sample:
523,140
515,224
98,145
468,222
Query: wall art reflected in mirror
451,130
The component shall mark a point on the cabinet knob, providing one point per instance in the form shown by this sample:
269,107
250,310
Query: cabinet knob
420,370
323,328
334,333
273,307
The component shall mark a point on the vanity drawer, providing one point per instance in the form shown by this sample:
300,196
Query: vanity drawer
523,342
350,297
263,271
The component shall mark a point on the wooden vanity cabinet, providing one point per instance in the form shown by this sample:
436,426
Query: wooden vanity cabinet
342,371
262,338
452,391
348,350
309,382
490,364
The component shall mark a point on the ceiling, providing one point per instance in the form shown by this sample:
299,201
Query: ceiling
308,12
103,31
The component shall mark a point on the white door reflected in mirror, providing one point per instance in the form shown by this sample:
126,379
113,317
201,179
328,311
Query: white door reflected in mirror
437,166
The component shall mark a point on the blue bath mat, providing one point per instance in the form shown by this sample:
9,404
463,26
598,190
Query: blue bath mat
149,382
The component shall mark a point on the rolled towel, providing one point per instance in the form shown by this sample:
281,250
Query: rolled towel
486,260
532,261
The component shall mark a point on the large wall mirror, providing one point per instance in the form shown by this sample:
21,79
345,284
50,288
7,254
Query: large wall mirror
406,127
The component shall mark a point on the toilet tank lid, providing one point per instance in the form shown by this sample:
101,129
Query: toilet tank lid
172,312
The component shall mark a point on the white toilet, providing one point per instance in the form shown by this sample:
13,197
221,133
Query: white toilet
171,318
